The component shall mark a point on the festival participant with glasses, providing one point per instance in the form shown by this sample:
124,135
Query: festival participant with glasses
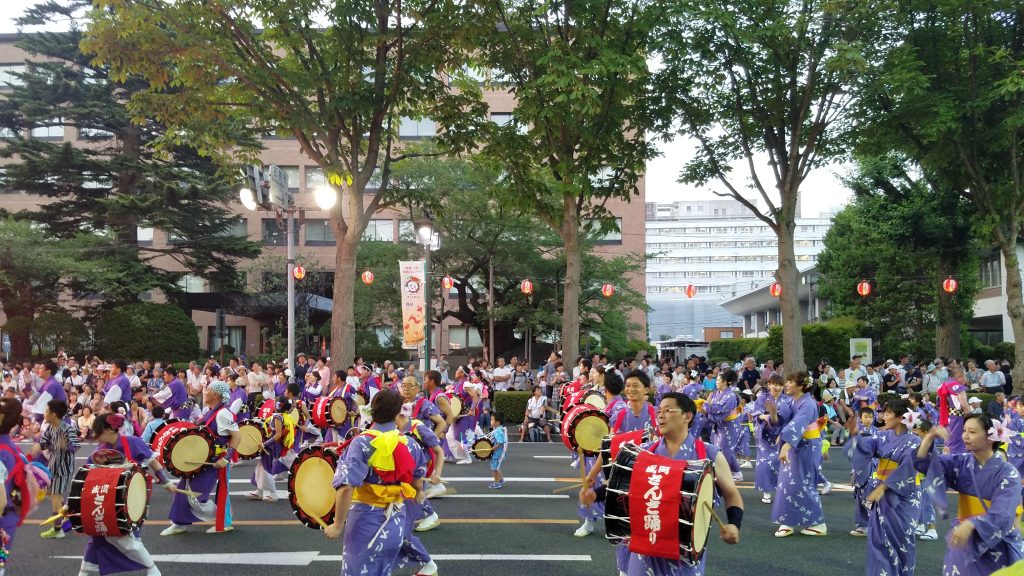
797,502
986,535
674,415
211,483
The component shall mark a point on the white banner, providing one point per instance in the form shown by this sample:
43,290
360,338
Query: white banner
412,277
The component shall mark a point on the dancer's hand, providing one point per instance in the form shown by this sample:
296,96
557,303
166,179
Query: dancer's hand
222,463
730,534
587,496
961,534
876,494
784,454
333,531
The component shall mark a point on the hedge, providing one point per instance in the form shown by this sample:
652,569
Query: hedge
511,405
146,330
821,340
731,349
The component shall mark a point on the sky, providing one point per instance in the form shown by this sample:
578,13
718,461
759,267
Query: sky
821,192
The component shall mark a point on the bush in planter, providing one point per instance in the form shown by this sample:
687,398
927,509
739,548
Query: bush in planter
146,330
511,405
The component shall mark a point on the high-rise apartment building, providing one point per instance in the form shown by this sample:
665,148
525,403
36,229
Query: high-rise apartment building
720,248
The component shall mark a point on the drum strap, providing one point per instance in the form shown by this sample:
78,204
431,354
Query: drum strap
127,449
622,417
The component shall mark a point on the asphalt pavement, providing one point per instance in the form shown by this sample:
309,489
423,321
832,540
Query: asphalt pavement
525,528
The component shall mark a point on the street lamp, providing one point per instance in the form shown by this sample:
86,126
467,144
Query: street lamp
281,199
426,235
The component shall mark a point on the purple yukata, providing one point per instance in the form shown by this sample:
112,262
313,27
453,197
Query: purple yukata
797,502
726,424
766,435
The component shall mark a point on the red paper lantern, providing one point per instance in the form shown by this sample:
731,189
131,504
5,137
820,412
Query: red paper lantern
691,290
950,285
526,287
607,290
775,289
447,282
367,277
299,272
864,288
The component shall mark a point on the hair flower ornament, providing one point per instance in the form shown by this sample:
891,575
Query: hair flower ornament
999,433
911,418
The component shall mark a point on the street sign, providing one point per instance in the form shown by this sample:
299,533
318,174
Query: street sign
280,197
7,343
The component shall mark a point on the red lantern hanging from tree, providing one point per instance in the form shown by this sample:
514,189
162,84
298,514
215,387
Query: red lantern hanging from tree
526,287
775,289
864,288
950,285
691,291
299,272
447,282
367,277
607,290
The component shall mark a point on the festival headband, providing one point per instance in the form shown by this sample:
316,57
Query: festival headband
911,418
115,421
999,433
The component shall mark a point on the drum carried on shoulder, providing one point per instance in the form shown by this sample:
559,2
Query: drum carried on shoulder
626,488
182,447
611,443
583,427
310,484
329,411
253,433
108,500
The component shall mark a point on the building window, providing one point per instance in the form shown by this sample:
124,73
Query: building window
380,231
145,236
9,75
235,338
293,176
991,274
319,233
274,235
413,129
727,335
53,130
192,284
501,118
407,231
611,237
93,134
314,178
460,337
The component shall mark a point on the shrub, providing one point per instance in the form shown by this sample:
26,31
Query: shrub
730,349
821,340
511,405
1005,351
146,330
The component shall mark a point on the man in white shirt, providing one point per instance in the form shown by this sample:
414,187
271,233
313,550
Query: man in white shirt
993,380
854,371
535,408
501,376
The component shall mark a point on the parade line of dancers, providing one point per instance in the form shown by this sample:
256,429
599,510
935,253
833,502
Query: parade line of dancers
653,472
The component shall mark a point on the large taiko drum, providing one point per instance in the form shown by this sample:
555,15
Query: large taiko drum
310,489
459,408
108,500
583,427
163,433
329,411
253,433
187,451
595,399
697,492
266,409
611,443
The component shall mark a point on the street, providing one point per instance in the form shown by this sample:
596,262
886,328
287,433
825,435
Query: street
523,528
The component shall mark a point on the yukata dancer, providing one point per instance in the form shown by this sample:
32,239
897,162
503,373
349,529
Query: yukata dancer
766,434
985,536
797,502
274,458
721,409
953,406
862,472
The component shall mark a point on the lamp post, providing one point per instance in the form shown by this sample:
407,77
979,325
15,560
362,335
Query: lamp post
425,233
254,198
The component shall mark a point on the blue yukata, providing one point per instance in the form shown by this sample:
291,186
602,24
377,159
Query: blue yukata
51,390
273,459
376,526
211,483
117,389
726,424
693,390
639,565
615,405
1015,447
347,393
990,498
743,437
462,426
926,516
929,412
862,469
421,439
891,521
114,554
659,392
766,435
423,432
863,398
797,502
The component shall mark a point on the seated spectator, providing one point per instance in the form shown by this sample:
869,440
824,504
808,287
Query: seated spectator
85,422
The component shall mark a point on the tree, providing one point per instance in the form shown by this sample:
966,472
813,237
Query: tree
118,181
338,77
905,238
60,330
754,78
950,95
577,138
128,332
35,269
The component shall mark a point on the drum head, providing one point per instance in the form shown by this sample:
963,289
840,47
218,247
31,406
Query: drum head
188,452
338,411
482,449
456,403
310,489
702,516
251,443
588,431
296,415
136,496
595,399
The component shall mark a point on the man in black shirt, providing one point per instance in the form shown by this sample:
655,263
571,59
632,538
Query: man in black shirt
750,374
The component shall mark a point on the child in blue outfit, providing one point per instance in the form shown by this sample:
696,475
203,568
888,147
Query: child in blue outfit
500,438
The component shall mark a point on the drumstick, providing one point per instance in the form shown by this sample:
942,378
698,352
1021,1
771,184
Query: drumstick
52,519
583,467
714,515
572,486
198,463
318,520
185,492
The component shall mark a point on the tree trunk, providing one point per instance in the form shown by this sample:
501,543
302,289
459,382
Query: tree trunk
1014,307
343,325
573,270
788,277
947,327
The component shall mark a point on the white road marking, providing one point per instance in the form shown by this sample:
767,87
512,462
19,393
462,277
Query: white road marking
526,496
491,557
560,457
281,494
306,558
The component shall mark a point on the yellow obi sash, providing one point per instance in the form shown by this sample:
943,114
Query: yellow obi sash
885,467
813,431
972,506
383,460
733,416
